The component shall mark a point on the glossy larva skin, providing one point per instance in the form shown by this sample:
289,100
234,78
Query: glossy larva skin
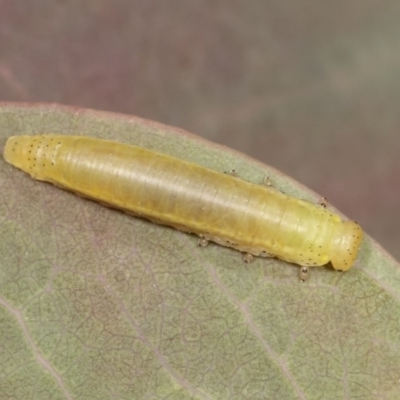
218,207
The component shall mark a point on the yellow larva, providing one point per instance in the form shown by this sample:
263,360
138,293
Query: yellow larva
251,218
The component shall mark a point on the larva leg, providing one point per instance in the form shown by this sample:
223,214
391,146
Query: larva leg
248,258
233,173
267,181
323,202
203,242
304,274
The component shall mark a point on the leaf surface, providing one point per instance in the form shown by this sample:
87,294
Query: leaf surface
96,304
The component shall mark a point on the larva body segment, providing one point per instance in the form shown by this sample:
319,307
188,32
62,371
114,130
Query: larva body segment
218,207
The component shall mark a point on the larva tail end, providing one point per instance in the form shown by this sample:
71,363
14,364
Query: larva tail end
15,151
27,153
346,245
10,154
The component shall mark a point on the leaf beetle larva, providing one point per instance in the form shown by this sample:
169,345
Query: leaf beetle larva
222,208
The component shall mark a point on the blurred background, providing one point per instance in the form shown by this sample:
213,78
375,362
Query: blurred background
311,88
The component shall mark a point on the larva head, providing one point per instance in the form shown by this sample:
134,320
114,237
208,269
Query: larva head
345,245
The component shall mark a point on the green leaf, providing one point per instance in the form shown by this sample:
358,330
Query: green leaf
96,304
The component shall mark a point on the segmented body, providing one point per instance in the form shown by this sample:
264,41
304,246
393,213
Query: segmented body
218,207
